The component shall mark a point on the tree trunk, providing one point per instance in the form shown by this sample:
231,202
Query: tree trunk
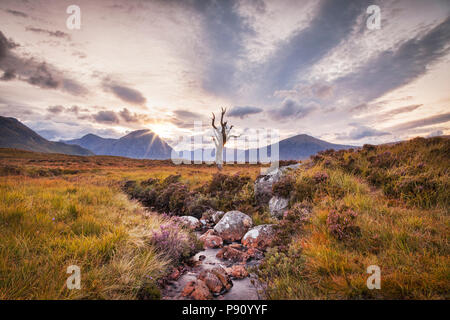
219,156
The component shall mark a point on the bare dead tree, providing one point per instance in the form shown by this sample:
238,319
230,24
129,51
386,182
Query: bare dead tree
221,136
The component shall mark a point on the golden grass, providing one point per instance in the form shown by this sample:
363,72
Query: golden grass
409,244
48,224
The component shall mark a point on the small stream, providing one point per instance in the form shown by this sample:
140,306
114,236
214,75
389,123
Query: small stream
242,289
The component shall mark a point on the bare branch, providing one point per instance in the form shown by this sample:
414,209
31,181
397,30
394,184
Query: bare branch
213,119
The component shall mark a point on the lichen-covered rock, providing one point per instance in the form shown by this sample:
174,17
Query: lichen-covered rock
233,225
223,277
197,290
211,240
277,206
191,222
212,282
237,271
259,237
232,254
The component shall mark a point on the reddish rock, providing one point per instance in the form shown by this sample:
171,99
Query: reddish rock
210,240
255,253
223,277
237,271
259,237
229,253
196,290
212,281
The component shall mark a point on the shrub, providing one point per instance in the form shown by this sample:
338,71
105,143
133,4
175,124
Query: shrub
284,186
177,245
320,177
293,221
225,184
341,223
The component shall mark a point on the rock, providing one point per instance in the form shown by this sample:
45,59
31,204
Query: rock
233,225
259,237
191,222
232,254
217,216
175,274
223,277
263,185
237,271
210,240
212,282
255,253
197,290
277,206
201,257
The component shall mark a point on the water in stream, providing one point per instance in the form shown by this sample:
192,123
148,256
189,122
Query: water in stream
243,289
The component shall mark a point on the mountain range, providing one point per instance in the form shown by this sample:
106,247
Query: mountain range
14,134
145,144
140,144
298,147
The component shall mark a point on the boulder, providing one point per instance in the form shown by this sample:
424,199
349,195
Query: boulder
259,237
217,216
197,290
277,206
232,254
191,222
212,282
237,271
210,240
233,225
223,277
263,185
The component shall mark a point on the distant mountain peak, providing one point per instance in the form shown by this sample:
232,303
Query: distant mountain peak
140,144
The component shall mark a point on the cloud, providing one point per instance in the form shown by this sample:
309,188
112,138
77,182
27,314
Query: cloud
292,109
55,109
128,116
187,114
108,117
17,13
8,75
439,118
241,112
333,22
57,33
43,78
360,132
394,68
125,93
36,73
401,110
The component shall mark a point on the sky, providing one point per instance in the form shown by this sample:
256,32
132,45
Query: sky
299,67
